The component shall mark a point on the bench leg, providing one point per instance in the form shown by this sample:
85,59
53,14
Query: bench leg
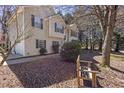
94,80
78,80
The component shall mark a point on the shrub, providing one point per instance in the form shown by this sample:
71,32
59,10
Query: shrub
55,48
42,51
70,50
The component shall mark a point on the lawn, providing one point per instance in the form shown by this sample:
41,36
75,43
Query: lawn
113,57
113,76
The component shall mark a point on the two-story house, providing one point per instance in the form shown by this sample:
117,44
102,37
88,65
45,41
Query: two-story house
48,28
71,32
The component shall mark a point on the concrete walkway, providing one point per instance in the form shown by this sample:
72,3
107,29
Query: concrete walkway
13,56
28,59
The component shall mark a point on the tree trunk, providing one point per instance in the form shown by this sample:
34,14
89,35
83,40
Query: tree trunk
100,45
93,46
5,56
86,43
117,44
106,48
80,36
108,37
4,59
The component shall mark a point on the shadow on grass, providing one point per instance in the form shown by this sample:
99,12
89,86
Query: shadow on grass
117,53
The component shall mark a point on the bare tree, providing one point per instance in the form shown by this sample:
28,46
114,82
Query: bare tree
88,25
107,15
117,41
21,34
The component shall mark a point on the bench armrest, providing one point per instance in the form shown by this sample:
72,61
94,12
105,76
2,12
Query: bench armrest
92,71
83,61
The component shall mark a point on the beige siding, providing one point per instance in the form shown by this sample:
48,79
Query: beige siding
52,21
28,47
19,48
41,34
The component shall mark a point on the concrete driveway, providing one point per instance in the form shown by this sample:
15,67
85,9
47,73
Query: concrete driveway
13,56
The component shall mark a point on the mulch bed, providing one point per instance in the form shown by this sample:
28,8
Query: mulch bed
41,73
56,73
112,77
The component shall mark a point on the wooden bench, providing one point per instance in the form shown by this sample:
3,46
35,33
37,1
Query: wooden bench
82,73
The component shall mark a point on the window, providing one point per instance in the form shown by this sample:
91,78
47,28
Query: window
73,33
65,37
40,43
37,22
55,43
59,28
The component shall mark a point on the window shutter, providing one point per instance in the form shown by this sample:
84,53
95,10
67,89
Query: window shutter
32,20
41,20
44,43
55,27
37,43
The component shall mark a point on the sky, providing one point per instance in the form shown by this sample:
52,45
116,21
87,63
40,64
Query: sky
64,8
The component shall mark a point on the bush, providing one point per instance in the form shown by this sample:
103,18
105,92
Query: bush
42,51
55,48
70,50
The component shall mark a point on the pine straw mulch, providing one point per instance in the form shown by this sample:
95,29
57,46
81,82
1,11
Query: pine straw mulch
43,72
54,72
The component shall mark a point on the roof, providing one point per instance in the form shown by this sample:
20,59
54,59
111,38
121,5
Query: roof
21,9
57,15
